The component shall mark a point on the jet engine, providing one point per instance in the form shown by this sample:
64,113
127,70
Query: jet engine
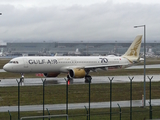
51,74
77,73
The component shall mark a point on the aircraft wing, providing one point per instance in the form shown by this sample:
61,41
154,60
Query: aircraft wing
93,67
103,66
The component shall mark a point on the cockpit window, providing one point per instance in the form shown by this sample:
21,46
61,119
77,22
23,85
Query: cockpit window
14,62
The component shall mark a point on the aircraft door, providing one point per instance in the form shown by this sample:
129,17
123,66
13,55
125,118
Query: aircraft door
25,63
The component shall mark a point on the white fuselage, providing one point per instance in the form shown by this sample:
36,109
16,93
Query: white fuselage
45,64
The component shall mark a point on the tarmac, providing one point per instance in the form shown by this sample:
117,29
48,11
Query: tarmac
95,80
135,103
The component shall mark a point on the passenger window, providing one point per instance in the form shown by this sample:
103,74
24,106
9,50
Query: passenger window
15,62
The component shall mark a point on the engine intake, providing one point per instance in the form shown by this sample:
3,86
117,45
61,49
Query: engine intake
77,73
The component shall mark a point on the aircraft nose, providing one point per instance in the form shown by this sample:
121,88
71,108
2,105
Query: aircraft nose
6,67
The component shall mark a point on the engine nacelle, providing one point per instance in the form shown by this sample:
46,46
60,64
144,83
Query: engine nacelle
77,73
51,74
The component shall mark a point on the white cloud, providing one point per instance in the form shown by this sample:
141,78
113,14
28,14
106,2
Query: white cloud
137,1
102,21
43,3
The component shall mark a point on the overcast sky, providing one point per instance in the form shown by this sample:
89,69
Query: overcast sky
78,20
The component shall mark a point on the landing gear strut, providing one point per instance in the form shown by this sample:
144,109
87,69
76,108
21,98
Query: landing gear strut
88,79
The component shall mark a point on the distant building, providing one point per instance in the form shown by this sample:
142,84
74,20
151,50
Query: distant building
51,49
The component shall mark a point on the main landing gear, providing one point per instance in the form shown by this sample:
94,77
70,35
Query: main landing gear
88,79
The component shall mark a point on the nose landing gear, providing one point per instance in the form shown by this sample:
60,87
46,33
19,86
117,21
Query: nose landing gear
22,79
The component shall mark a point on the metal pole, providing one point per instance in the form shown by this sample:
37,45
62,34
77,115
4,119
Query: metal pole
131,97
144,65
66,96
110,97
144,61
43,94
43,98
150,110
89,97
18,99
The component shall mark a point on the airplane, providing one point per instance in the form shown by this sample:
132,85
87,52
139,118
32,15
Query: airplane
74,66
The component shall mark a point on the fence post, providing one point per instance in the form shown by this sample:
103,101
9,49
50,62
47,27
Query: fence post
131,97
43,94
150,107
18,98
110,79
119,111
66,96
87,111
10,115
150,111
89,80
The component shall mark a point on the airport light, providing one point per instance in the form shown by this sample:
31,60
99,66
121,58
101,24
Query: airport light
144,26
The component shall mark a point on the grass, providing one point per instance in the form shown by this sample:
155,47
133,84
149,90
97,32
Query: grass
56,94
95,114
3,62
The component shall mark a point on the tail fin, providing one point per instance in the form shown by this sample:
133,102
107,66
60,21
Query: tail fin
132,53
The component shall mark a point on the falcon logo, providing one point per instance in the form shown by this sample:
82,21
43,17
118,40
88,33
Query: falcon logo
133,51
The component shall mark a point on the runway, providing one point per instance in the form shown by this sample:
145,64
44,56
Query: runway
142,66
135,103
95,79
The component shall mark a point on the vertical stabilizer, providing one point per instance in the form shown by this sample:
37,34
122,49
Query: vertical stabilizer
133,51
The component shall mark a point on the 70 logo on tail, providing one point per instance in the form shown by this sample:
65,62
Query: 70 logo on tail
103,60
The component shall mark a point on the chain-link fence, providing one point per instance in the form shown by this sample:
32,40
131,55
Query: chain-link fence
110,96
